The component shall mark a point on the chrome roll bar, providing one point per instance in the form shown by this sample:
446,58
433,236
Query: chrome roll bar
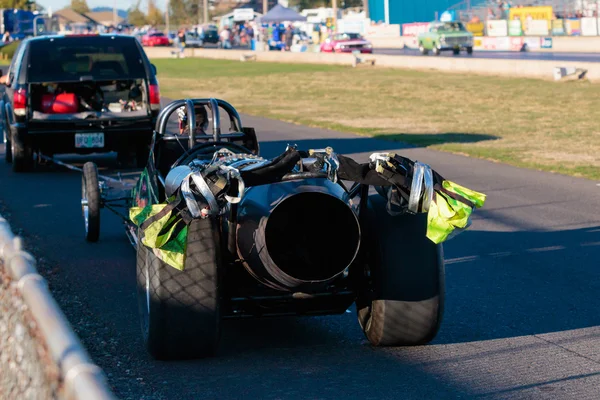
191,121
213,104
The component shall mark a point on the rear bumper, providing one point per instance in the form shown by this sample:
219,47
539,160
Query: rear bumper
57,141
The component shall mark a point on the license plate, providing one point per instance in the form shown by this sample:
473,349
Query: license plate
89,140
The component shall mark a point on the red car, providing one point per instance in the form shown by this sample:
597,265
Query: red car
346,43
155,39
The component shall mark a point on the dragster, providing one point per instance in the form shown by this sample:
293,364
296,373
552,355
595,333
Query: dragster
221,232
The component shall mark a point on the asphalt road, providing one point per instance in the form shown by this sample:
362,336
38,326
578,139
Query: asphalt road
521,318
507,55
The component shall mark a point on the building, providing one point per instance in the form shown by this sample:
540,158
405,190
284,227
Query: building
105,18
407,11
69,19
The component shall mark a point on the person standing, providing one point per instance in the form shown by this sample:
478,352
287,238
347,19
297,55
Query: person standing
181,42
289,37
225,37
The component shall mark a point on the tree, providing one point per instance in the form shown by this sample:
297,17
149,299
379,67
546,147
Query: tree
182,12
155,16
22,4
135,16
80,6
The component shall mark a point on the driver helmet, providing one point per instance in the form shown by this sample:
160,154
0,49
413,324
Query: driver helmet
201,119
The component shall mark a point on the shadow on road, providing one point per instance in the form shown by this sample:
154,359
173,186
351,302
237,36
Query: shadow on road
377,143
508,284
428,139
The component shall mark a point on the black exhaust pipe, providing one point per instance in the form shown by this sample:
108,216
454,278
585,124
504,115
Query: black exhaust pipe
297,236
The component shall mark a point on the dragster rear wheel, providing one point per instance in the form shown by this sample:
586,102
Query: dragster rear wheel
180,310
90,201
405,301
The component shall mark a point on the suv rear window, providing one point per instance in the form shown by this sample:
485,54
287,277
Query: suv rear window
92,57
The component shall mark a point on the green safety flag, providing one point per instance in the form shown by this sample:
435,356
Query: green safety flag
448,216
166,233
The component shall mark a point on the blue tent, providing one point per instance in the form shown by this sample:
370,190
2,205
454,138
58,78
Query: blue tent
281,14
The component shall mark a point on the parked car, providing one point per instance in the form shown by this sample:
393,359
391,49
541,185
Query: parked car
346,43
155,39
79,94
209,34
443,36
192,40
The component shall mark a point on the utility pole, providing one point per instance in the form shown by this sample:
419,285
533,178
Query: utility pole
115,13
366,8
167,12
265,6
206,11
335,23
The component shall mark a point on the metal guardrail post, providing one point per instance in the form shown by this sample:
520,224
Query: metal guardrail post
83,380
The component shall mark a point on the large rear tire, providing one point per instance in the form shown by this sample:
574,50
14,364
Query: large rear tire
404,303
90,201
180,310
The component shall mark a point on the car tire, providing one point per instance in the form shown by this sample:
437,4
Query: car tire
469,50
423,50
90,201
403,303
21,152
180,310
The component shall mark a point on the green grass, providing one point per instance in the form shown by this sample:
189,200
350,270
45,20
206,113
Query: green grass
524,122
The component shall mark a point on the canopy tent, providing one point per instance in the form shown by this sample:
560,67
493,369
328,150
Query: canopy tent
280,13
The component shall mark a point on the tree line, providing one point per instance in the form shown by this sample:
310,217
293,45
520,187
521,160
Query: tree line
186,12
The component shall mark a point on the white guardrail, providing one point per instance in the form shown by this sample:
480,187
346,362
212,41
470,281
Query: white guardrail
80,378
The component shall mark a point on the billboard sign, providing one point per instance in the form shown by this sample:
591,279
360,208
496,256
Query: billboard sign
589,26
536,27
514,27
558,27
547,43
573,27
476,28
415,28
497,27
243,14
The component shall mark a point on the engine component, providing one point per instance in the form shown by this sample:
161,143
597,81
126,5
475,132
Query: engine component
282,234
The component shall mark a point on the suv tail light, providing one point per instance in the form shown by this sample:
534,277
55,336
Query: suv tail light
154,97
20,102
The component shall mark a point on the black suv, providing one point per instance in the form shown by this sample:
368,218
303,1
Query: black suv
79,94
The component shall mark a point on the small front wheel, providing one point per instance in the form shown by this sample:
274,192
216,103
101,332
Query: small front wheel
436,50
90,201
469,50
423,50
456,51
